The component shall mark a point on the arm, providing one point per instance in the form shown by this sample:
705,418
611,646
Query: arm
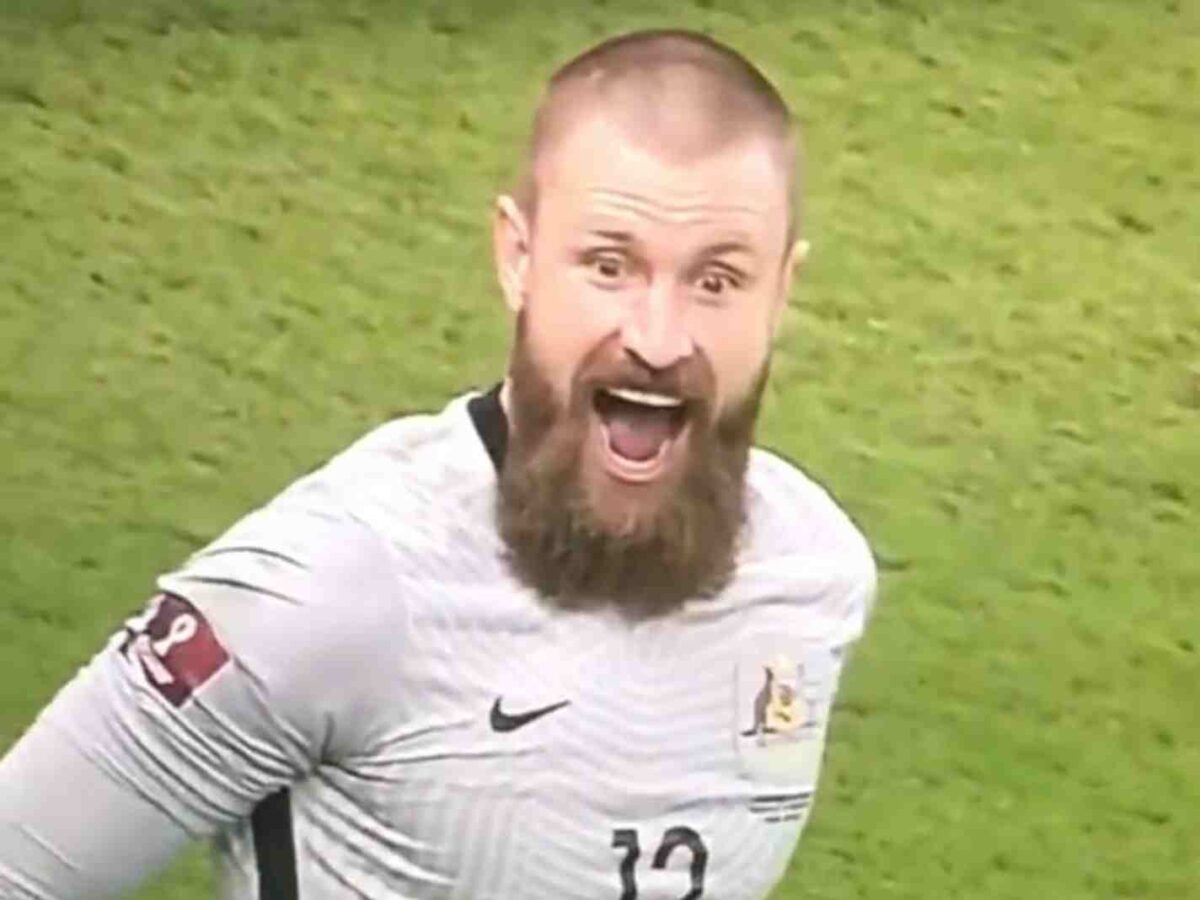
231,685
68,829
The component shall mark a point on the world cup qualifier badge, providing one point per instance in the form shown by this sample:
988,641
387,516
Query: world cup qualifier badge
784,692
175,647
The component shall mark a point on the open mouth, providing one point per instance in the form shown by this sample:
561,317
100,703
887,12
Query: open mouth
638,429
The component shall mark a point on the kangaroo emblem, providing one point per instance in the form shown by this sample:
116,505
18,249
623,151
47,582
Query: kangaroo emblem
762,700
775,705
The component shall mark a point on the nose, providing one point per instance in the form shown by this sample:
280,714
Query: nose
655,332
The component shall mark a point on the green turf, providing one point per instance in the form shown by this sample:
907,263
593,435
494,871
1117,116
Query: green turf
235,235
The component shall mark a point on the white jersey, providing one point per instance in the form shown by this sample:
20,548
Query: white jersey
352,694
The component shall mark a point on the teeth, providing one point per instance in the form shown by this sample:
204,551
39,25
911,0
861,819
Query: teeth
661,401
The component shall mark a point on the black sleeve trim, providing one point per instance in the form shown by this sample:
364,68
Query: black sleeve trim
275,847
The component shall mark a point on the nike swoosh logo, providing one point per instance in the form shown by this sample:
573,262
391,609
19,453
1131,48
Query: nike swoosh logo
502,721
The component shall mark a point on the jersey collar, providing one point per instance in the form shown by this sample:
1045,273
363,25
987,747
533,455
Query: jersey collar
487,415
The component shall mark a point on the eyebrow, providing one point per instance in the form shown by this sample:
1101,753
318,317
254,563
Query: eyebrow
617,237
719,249
724,247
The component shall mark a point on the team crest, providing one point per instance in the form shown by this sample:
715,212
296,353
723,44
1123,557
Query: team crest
783,698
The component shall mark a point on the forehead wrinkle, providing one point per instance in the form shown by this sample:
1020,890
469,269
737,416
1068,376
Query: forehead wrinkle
660,211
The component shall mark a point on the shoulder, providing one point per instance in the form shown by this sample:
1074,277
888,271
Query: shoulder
388,494
404,461
336,539
406,477
792,512
803,544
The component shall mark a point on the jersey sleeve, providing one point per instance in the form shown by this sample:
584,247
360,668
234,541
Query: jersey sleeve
812,550
248,669
854,602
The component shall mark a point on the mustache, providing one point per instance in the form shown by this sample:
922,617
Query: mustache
691,379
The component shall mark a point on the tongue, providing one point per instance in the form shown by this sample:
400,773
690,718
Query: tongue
637,433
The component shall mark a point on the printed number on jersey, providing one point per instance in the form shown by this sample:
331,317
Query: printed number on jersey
680,837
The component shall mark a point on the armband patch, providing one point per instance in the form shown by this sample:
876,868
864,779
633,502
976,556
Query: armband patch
175,646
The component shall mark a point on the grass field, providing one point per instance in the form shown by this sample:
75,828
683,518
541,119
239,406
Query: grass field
234,236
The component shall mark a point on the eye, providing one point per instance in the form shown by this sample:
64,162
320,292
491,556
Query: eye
607,268
715,284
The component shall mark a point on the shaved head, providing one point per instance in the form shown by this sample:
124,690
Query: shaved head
679,94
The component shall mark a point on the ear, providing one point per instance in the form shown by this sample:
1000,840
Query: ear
510,245
792,263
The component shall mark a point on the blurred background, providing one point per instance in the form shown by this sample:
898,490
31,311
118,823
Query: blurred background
236,235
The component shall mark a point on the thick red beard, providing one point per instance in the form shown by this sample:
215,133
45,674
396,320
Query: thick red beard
645,550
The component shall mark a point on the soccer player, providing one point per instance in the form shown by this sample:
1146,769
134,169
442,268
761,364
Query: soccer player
572,637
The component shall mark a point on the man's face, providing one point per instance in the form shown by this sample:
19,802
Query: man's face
648,290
